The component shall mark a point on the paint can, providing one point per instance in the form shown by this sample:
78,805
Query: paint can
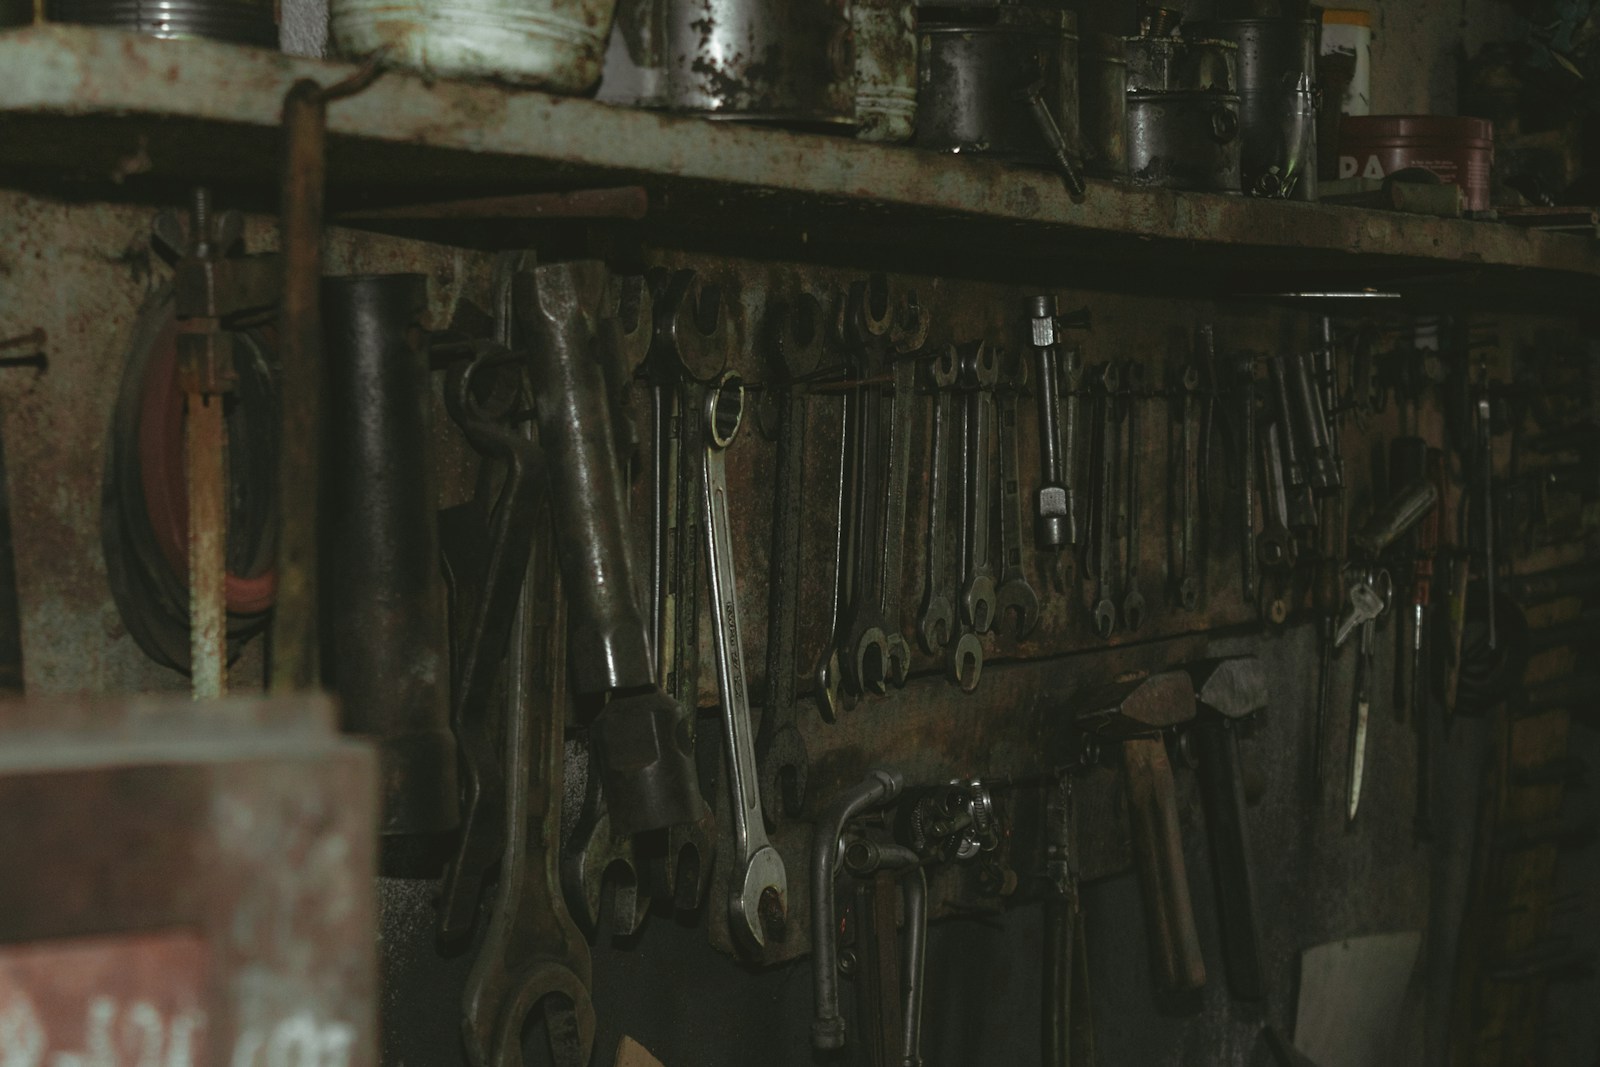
556,45
1459,150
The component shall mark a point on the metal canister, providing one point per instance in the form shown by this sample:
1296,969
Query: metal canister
555,45
886,69
252,22
1277,73
973,80
1184,140
790,62
1103,105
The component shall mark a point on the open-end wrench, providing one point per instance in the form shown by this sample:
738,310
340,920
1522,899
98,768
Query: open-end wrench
1016,603
936,623
1275,548
1107,383
600,870
979,372
793,333
1189,561
902,417
1250,564
492,605
758,905
532,954
1132,601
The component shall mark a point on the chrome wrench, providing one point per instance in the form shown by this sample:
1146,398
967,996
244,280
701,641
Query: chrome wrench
760,901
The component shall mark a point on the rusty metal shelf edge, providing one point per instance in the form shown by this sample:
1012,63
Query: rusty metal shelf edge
74,72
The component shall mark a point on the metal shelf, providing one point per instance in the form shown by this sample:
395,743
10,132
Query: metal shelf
100,111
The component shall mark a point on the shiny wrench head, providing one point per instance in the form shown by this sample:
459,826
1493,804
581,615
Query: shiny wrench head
966,661
977,603
934,627
869,659
1105,619
830,687
569,1026
1016,607
1133,610
759,908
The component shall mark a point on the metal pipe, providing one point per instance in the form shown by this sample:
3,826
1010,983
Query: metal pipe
878,787
914,883
384,650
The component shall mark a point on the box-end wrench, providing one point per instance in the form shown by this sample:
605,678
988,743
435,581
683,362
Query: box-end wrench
1107,384
1016,603
979,372
533,956
1132,601
758,906
936,623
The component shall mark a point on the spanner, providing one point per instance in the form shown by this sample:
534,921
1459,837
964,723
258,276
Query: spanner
979,371
793,334
902,418
600,870
1132,601
532,954
1189,561
1107,382
1275,546
493,605
1016,603
936,623
758,905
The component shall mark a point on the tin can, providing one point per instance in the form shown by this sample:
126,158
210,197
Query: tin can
787,62
1103,105
1184,140
886,69
250,22
973,79
555,45
1459,150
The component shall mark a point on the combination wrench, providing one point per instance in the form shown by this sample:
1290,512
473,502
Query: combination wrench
533,956
1107,381
1132,601
758,906
979,372
936,623
1016,602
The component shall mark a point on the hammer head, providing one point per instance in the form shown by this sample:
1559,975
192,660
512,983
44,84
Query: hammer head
1137,706
1233,687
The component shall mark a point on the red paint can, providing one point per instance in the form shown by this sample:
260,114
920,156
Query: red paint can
1457,149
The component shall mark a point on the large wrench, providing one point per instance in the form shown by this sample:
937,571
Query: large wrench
1189,561
758,906
1107,381
492,600
1133,600
532,955
599,862
979,371
1016,603
935,625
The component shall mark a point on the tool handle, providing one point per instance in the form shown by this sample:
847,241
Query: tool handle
1158,856
1404,511
1222,792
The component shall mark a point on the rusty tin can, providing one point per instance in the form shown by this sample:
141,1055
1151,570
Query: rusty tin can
787,62
555,45
252,22
886,69
1103,105
974,75
1459,150
1184,140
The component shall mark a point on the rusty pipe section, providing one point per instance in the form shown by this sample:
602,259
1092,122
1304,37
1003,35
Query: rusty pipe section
300,387
382,593
877,788
641,737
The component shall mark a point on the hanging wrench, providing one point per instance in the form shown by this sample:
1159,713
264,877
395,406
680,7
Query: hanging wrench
902,418
935,624
1275,548
599,869
1016,603
1189,562
1133,600
759,904
979,371
493,603
1108,383
532,955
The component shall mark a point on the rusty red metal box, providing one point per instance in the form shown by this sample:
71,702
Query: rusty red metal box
185,883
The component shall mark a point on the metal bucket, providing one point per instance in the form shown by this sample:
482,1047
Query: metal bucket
1274,55
972,82
550,44
886,69
1186,140
790,62
1103,105
251,22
